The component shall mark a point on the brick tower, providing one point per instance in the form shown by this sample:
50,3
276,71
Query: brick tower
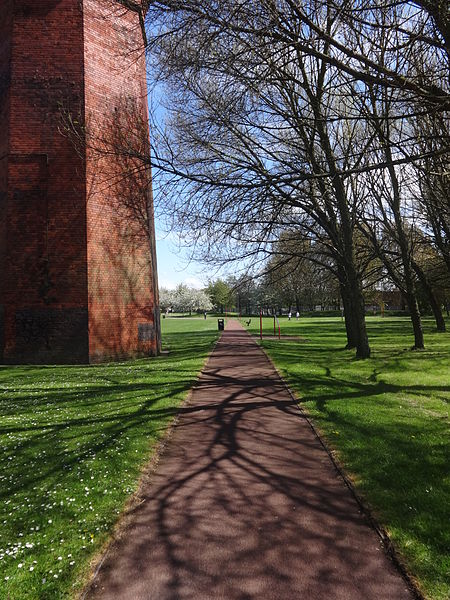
78,278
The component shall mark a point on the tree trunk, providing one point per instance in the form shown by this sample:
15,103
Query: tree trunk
358,307
416,320
435,307
348,318
437,312
362,348
355,318
413,306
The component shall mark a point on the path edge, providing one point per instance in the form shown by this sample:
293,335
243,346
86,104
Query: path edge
387,544
135,499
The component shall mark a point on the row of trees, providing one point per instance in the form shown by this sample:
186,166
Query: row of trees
314,131
301,285
277,292
184,299
291,273
248,296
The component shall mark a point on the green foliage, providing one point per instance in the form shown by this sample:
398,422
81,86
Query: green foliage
388,419
184,299
74,440
220,294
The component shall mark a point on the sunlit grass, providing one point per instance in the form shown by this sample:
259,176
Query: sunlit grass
388,418
73,442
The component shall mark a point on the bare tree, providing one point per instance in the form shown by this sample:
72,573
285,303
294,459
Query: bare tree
265,130
433,190
417,25
256,144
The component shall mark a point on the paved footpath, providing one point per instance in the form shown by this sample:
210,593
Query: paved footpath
245,504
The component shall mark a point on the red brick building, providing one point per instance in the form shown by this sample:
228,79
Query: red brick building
78,278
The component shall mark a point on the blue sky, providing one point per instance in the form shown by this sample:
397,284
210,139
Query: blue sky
174,266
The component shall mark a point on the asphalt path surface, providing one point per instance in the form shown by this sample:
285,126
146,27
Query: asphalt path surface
245,504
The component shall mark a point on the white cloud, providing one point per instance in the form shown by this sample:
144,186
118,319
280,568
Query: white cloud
166,283
171,284
194,282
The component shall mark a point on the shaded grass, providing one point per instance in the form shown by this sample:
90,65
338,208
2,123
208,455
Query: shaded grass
388,419
73,442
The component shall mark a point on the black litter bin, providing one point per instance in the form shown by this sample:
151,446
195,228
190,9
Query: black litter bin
221,324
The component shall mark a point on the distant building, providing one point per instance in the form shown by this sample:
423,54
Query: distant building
386,300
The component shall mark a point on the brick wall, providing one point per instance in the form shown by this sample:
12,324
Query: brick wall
44,275
77,274
122,318
5,75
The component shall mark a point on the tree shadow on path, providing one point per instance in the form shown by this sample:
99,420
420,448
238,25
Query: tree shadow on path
245,504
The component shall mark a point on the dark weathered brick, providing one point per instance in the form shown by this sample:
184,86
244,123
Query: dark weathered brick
63,248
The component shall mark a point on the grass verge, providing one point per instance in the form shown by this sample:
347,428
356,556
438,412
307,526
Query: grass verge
388,420
74,440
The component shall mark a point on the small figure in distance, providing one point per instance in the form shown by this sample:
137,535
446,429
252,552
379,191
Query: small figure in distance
204,314
248,322
289,315
297,315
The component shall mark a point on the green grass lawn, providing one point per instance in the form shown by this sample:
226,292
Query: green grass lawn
388,419
73,442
